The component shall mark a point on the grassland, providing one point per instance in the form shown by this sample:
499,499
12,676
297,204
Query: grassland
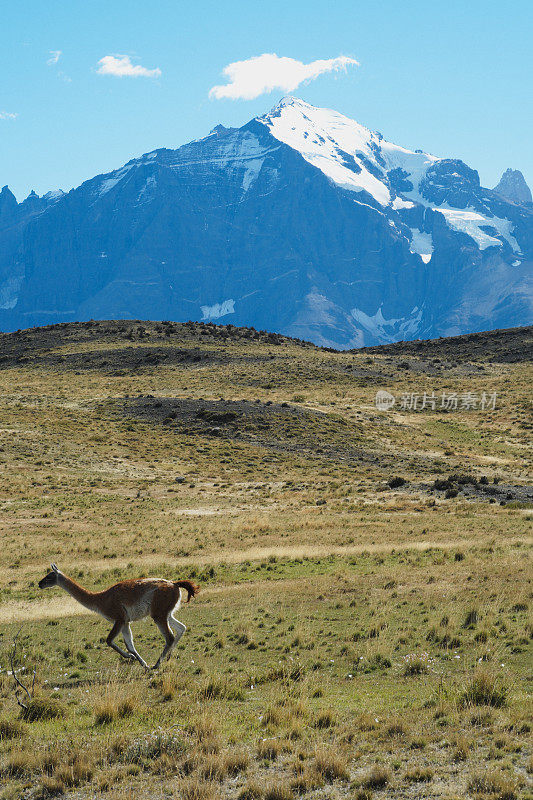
351,640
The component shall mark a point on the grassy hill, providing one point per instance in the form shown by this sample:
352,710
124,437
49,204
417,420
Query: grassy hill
364,625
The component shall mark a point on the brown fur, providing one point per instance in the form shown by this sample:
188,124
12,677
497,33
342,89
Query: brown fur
112,601
191,588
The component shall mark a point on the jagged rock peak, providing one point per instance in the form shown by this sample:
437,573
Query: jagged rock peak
220,130
32,201
513,187
6,194
8,202
290,100
53,194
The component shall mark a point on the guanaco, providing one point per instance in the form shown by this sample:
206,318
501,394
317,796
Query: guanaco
129,601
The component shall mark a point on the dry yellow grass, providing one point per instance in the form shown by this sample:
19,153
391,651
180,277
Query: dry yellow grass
320,584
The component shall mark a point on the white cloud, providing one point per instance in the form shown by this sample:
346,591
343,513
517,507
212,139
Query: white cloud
262,74
7,115
121,67
55,55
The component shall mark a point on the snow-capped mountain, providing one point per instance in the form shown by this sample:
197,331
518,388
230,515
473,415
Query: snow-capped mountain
302,221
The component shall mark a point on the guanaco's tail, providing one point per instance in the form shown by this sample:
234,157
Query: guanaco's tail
191,588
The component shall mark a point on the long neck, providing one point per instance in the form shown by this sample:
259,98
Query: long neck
76,591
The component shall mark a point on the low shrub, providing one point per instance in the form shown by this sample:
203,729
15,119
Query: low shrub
18,764
419,743
419,774
211,766
471,619
147,748
462,479
307,779
397,481
236,761
41,708
497,784
481,719
277,790
51,786
484,689
324,720
11,729
395,728
331,764
74,774
377,778
271,718
196,789
441,484
252,791
269,749
461,749
415,666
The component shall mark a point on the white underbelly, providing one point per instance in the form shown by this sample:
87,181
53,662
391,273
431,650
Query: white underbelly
141,608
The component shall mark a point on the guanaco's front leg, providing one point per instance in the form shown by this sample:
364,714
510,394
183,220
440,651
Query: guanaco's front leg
113,633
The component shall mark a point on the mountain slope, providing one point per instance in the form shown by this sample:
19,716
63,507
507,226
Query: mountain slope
302,222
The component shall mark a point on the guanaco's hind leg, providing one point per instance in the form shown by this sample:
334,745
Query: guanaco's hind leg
169,637
172,630
178,628
113,633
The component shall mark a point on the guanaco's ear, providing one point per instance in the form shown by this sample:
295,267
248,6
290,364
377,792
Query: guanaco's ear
54,567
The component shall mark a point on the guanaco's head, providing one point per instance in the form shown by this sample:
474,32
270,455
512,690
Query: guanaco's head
51,579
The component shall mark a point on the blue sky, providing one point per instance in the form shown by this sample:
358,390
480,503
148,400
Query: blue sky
452,78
